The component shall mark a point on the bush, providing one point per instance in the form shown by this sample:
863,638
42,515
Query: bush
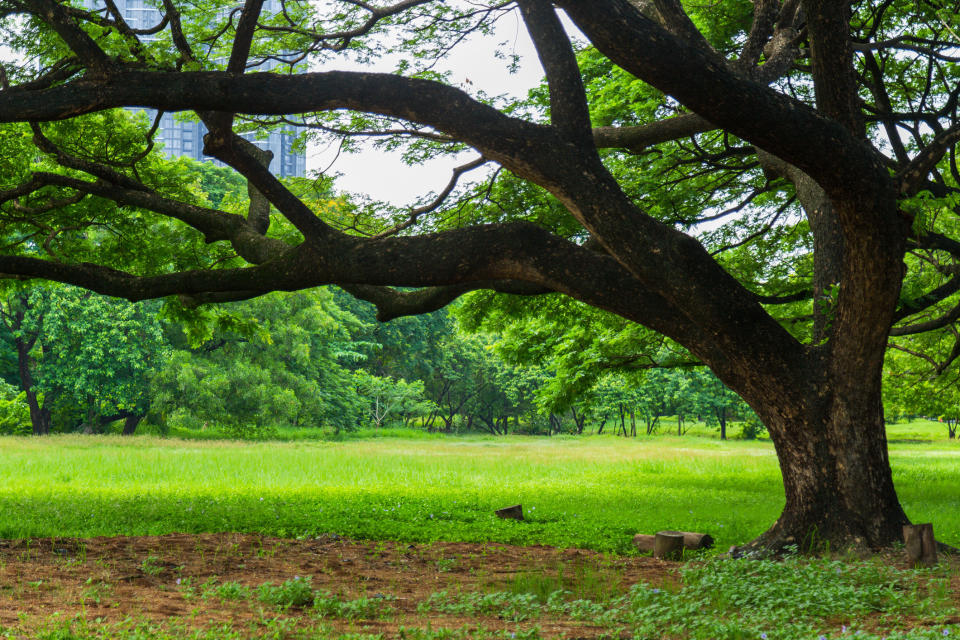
14,411
291,593
752,429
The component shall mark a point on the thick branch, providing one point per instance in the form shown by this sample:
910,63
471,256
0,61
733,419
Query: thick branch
831,58
55,15
440,106
568,102
392,303
765,14
176,31
939,294
948,318
914,175
244,36
676,21
121,284
777,123
636,139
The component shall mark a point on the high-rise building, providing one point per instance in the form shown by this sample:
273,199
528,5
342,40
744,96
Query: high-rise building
185,137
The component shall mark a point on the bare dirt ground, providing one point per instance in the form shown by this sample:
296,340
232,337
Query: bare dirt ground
175,578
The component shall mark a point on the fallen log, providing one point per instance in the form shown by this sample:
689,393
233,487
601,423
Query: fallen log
693,541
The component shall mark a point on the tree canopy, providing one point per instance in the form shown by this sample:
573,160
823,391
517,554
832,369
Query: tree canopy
769,184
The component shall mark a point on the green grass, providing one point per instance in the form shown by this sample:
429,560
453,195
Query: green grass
733,599
798,598
593,492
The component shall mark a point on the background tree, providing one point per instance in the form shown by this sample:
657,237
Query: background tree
389,400
82,357
279,360
813,123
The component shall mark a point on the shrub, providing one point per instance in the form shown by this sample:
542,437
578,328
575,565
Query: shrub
14,411
290,593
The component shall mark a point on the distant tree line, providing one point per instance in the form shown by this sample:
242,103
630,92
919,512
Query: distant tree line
77,361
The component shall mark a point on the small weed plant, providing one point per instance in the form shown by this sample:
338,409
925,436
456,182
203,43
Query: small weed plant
328,605
297,593
150,567
230,591
515,607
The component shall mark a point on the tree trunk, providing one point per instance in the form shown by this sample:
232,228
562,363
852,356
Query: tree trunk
130,424
652,420
836,472
39,416
579,420
722,418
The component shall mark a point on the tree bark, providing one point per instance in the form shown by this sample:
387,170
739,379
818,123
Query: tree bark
920,544
130,424
39,416
836,473
668,545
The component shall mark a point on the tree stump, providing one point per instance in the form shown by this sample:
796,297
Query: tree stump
511,513
691,540
920,544
668,545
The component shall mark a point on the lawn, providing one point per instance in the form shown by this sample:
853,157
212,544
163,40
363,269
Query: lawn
298,573
593,492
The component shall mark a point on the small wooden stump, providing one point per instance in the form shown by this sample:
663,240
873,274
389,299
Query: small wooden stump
920,544
511,513
691,540
668,545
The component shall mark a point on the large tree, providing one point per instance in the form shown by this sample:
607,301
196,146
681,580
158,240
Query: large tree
837,111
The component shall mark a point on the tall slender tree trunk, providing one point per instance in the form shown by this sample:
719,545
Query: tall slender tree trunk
40,417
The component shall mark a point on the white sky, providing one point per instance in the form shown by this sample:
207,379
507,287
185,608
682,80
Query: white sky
382,175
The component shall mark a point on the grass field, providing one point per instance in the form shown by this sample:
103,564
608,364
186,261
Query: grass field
593,492
588,492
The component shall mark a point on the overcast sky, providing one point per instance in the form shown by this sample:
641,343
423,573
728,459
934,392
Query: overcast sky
383,176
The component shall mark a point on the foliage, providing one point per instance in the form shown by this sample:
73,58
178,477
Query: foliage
389,400
284,362
14,412
297,592
99,352
85,356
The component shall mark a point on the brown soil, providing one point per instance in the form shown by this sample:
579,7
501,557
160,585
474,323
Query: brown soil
171,579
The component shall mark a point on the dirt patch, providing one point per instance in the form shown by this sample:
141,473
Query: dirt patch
201,581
